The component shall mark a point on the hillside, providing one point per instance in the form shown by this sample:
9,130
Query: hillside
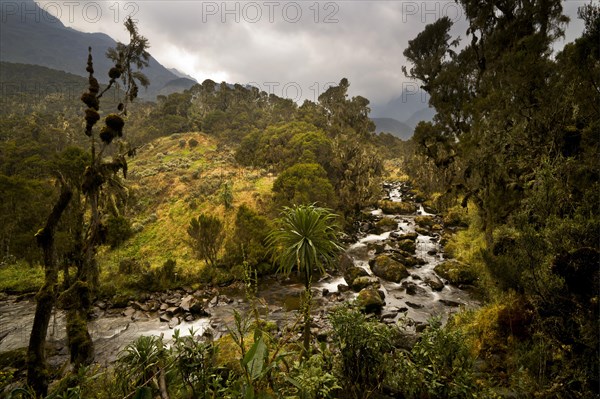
172,180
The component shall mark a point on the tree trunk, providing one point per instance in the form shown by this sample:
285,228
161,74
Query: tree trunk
37,373
307,299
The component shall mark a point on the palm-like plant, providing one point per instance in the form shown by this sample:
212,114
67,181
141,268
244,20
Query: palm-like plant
307,238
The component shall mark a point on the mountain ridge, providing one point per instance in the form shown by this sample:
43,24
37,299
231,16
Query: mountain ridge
43,40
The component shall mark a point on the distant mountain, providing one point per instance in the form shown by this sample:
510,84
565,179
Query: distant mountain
393,126
408,109
41,39
425,114
180,74
177,86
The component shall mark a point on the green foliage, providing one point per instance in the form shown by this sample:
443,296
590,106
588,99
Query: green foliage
195,361
283,145
363,345
311,379
306,238
247,244
139,364
207,234
438,366
227,195
304,183
118,230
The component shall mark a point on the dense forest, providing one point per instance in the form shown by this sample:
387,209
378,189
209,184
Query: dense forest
111,202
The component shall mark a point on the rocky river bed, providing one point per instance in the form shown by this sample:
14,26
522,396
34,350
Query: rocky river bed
388,268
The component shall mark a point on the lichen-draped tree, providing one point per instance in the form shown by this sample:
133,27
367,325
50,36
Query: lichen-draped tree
96,183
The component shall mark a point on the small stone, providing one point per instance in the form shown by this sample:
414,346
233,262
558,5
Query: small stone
450,303
174,322
414,305
343,288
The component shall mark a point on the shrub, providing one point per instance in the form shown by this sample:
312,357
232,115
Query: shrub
303,184
118,230
438,366
362,346
207,234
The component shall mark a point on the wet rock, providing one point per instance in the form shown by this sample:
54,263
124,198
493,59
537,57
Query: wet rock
409,236
370,301
413,261
165,318
377,247
172,310
140,306
434,282
325,292
189,317
388,269
101,304
413,289
128,312
164,307
385,225
456,272
414,305
187,303
172,301
397,208
389,314
346,262
343,288
452,304
352,273
420,327
407,246
422,231
425,221
432,252
363,282
174,322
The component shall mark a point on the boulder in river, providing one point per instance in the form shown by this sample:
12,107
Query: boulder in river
413,289
388,269
351,273
397,208
434,282
408,236
346,262
363,282
370,301
407,245
426,222
456,272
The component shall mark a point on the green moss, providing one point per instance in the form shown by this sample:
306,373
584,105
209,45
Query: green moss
398,208
456,272
21,278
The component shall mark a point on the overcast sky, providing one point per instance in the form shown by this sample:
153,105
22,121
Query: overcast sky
292,49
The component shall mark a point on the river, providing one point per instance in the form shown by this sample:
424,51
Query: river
113,329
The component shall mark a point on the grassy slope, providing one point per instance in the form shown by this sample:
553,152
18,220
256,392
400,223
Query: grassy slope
172,182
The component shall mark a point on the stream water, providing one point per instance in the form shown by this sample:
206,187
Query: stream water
112,329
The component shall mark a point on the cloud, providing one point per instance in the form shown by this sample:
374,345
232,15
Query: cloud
289,47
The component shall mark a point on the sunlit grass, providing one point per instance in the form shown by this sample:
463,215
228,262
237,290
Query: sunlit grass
21,277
